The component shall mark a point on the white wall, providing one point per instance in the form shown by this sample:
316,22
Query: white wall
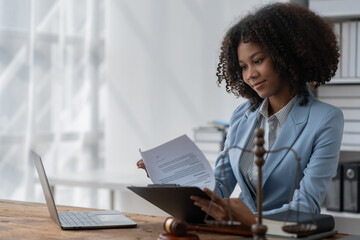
162,57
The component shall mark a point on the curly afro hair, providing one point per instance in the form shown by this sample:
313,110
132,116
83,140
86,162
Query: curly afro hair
302,46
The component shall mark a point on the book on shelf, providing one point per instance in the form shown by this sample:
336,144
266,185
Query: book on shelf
337,31
345,48
209,147
352,49
316,236
358,50
209,134
348,36
275,222
222,125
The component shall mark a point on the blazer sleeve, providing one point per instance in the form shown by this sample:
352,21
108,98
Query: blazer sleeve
223,169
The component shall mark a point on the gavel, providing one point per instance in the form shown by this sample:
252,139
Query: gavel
176,229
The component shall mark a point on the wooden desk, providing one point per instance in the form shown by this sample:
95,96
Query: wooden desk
25,220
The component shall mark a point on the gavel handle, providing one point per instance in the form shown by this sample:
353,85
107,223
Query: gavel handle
234,231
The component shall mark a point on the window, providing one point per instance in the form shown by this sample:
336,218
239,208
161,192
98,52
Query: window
51,89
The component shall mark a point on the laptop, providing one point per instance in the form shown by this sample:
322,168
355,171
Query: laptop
82,219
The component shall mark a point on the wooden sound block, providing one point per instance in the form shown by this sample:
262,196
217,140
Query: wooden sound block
168,236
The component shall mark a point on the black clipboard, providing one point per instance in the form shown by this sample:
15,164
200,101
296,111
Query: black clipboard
174,200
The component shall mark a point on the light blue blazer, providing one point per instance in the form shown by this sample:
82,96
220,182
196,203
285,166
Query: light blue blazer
314,131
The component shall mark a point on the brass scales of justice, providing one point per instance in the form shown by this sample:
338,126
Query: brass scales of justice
258,230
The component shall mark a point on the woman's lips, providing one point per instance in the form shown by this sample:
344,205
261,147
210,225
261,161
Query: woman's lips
259,84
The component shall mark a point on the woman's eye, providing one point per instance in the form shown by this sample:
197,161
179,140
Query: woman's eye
242,68
257,61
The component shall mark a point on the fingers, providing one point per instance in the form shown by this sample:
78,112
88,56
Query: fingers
216,198
208,192
140,164
218,209
204,205
201,202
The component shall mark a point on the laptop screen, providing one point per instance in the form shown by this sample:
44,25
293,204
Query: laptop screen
45,186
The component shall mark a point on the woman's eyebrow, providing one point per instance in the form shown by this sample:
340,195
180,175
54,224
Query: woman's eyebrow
252,55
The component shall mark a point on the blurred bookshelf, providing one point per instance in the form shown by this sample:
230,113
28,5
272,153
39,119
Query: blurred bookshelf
210,139
343,90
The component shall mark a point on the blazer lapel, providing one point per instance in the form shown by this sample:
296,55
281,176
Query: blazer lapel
293,126
246,128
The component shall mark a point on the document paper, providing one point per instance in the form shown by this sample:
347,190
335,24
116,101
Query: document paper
179,161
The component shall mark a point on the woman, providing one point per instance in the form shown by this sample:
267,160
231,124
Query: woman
271,57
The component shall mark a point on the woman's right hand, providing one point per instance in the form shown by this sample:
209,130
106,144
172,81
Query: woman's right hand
220,209
141,164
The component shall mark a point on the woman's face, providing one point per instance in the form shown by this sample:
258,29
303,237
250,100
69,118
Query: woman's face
259,73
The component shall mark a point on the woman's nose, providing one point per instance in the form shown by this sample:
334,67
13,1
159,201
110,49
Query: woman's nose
251,73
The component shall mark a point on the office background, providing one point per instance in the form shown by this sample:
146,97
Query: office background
87,83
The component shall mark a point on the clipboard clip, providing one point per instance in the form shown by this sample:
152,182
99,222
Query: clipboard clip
164,185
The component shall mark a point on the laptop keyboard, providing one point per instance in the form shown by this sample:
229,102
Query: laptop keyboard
79,219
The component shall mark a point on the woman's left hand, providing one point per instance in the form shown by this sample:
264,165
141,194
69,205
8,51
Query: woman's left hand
219,208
